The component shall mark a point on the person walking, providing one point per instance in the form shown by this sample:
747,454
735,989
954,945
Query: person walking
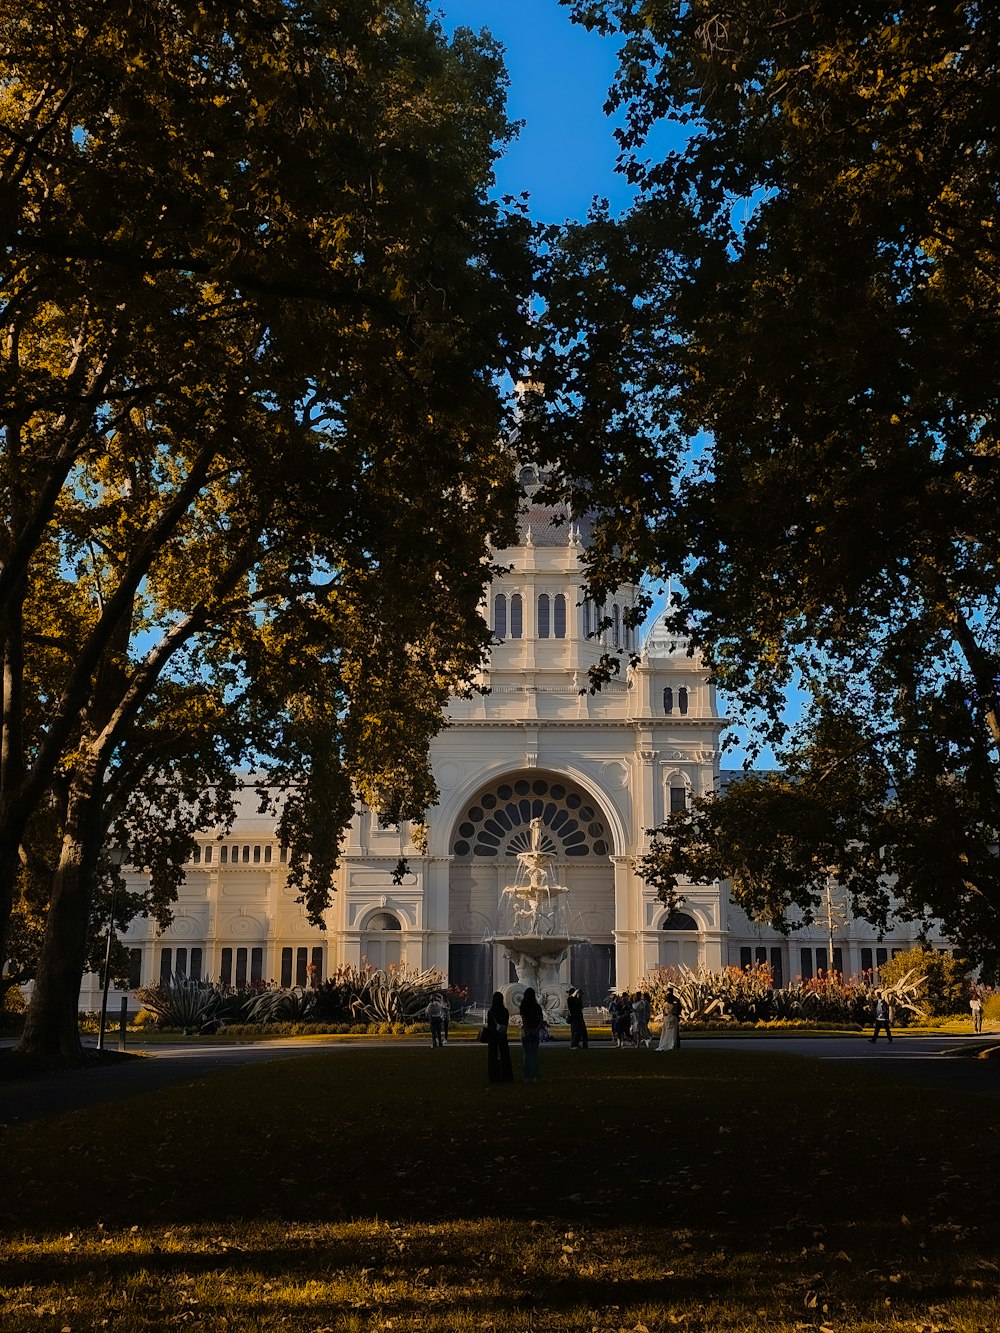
435,1012
531,1028
976,1005
577,1024
670,1033
498,1065
883,1019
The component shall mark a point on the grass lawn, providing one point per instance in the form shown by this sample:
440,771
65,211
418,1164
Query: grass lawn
392,1188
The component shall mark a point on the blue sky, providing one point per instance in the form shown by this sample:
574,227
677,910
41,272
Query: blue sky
559,79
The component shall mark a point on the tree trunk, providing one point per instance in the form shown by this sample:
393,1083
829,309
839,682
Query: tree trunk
51,1026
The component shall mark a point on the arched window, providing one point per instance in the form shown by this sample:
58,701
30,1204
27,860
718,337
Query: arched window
668,701
500,616
682,700
559,616
516,616
616,625
543,615
678,800
679,921
587,626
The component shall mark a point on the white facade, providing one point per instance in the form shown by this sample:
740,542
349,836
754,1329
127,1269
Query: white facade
598,769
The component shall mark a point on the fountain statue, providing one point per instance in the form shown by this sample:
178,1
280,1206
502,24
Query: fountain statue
534,927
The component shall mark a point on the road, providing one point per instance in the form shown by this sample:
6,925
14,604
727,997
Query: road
928,1060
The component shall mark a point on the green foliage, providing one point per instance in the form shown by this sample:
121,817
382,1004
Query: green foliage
366,994
253,270
945,987
795,408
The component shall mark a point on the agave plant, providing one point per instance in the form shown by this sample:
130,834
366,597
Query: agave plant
280,1006
181,1002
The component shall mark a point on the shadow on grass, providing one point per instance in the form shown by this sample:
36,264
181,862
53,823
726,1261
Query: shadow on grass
728,1189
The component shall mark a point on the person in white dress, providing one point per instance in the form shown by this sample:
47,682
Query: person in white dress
670,1034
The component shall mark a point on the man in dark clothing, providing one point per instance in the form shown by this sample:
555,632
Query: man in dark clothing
577,1026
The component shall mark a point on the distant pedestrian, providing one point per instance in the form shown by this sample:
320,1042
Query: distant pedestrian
670,1034
531,1028
577,1024
976,1005
883,1019
640,1020
435,1013
498,1063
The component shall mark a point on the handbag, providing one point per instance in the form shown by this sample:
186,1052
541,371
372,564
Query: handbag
484,1035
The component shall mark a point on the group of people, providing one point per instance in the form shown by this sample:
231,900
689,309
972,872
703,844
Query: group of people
624,1008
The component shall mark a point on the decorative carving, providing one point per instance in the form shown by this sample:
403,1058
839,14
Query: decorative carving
649,756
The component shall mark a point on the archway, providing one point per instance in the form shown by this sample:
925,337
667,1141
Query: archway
381,941
491,829
679,941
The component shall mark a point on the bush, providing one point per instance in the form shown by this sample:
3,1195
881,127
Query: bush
945,989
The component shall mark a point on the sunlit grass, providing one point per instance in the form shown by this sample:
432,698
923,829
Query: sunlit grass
392,1188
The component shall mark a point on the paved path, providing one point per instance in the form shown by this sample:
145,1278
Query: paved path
924,1059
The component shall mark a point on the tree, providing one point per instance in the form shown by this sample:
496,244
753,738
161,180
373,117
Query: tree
256,301
828,228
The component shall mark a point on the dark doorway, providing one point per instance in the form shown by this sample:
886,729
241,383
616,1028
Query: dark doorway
592,971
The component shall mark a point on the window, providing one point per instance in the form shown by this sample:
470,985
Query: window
181,963
678,800
776,968
760,955
682,700
866,960
587,618
500,616
226,968
543,615
821,967
196,854
301,966
286,968
246,855
516,616
224,854
208,855
256,856
316,966
267,855
806,964
668,701
881,956
256,965
838,961
746,959
134,968
282,854
616,625
195,972
559,616
166,966
241,968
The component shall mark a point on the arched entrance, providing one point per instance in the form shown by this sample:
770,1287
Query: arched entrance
489,833
382,941
679,941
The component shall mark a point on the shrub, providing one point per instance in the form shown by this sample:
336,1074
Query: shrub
945,989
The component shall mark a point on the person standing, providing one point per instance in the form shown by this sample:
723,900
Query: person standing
531,1029
435,1014
670,1034
577,1024
640,1020
976,1005
498,1065
883,1019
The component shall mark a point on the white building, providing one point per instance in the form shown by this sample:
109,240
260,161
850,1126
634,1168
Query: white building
598,769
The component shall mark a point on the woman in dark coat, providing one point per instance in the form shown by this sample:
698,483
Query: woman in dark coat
531,1031
497,1049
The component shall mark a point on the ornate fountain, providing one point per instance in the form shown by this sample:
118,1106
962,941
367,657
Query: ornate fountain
534,927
